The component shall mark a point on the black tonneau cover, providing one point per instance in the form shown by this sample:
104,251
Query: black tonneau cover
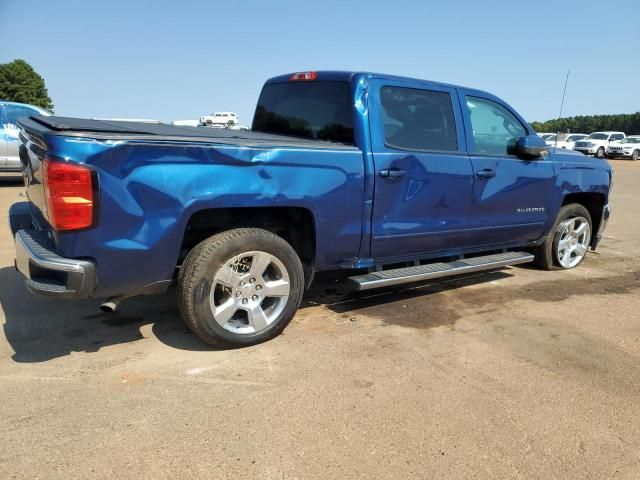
123,130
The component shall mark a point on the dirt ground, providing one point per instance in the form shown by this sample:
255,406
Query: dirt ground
512,374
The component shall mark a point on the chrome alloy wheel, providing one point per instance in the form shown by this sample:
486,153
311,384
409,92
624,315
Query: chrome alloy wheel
249,292
575,235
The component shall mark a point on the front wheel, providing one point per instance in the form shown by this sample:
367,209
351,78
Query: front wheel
567,244
600,152
635,155
240,287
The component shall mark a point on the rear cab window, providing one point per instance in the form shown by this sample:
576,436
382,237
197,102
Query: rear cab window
317,110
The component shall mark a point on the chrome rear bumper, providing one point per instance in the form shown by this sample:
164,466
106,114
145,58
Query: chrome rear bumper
46,272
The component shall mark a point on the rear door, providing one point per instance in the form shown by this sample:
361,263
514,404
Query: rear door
423,176
511,196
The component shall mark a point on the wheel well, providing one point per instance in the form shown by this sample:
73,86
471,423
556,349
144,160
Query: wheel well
294,224
593,202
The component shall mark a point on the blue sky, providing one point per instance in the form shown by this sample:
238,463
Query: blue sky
180,59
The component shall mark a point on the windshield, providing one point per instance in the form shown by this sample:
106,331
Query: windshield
630,140
551,138
315,110
575,138
598,136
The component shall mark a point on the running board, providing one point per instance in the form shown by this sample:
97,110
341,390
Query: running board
429,271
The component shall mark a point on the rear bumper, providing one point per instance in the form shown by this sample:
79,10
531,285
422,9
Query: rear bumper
46,272
604,219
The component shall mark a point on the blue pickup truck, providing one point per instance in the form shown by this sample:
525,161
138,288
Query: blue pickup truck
391,179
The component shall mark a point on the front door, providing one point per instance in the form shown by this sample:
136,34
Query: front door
511,196
423,176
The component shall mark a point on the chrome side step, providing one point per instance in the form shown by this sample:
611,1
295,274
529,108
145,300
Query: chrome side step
429,271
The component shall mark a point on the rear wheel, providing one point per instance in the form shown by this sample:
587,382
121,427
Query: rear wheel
240,287
567,244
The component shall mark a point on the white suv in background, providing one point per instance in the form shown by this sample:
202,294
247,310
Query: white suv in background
597,143
628,147
565,140
220,119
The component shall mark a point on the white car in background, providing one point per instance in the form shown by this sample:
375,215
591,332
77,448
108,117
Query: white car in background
565,140
597,143
220,119
625,148
10,112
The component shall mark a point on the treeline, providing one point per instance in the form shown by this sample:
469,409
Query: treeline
627,123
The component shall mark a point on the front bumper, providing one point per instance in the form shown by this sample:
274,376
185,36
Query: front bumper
586,151
46,272
604,219
619,153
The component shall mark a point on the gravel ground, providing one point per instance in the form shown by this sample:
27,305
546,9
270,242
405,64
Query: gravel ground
512,374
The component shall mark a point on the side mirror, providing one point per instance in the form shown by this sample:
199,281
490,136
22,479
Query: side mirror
531,147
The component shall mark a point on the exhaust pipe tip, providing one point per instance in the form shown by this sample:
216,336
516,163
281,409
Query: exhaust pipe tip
109,306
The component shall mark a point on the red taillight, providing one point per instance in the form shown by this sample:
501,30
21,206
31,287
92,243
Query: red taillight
302,76
68,189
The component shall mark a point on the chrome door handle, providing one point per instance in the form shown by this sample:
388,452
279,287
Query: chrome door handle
486,173
392,173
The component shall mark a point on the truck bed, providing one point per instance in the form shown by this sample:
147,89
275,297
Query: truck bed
122,130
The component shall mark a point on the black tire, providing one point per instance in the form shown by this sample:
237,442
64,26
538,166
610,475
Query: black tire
545,254
600,152
635,155
196,279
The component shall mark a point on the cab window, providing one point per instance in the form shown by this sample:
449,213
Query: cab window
495,129
416,119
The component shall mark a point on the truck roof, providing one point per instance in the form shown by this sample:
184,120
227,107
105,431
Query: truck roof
347,76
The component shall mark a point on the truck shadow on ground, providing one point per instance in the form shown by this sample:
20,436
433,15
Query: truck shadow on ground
40,329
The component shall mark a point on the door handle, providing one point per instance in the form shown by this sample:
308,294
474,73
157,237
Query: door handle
392,173
486,173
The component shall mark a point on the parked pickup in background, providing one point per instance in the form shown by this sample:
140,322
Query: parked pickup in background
390,179
565,140
596,144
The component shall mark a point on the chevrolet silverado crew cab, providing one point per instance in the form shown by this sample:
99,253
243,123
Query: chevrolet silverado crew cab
390,179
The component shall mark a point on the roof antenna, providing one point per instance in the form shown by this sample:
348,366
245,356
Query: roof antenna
566,80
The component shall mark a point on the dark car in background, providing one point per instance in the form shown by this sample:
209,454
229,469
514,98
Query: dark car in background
9,142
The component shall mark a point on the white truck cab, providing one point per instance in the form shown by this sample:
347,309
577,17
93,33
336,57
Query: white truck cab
565,140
